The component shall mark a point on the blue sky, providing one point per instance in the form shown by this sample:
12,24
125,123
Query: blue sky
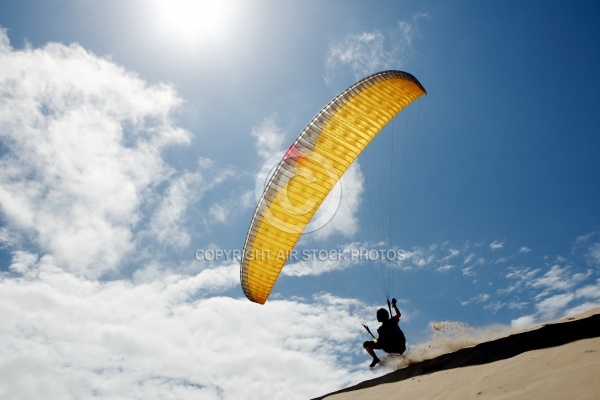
132,138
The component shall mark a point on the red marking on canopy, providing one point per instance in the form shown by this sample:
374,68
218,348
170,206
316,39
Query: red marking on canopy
293,153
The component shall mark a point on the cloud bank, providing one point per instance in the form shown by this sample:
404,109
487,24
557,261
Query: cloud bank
71,337
82,141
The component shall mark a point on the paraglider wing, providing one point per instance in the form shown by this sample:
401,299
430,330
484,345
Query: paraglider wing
311,167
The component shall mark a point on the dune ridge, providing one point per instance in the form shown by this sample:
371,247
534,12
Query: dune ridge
583,329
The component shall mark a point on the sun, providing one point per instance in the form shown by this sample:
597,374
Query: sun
193,23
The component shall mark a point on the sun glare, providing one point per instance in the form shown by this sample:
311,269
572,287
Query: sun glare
194,23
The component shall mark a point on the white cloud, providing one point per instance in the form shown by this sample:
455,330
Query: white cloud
314,266
445,268
453,253
594,253
8,238
269,138
367,52
570,302
496,245
420,257
22,261
218,212
551,306
167,223
469,258
523,322
583,307
557,278
83,139
591,292
364,53
522,277
227,206
318,261
4,42
247,200
483,297
161,337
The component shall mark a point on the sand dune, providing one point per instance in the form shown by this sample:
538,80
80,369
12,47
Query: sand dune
559,360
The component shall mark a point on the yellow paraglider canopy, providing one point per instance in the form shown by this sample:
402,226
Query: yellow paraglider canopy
310,169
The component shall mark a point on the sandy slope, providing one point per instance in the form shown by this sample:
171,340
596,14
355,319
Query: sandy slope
559,360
